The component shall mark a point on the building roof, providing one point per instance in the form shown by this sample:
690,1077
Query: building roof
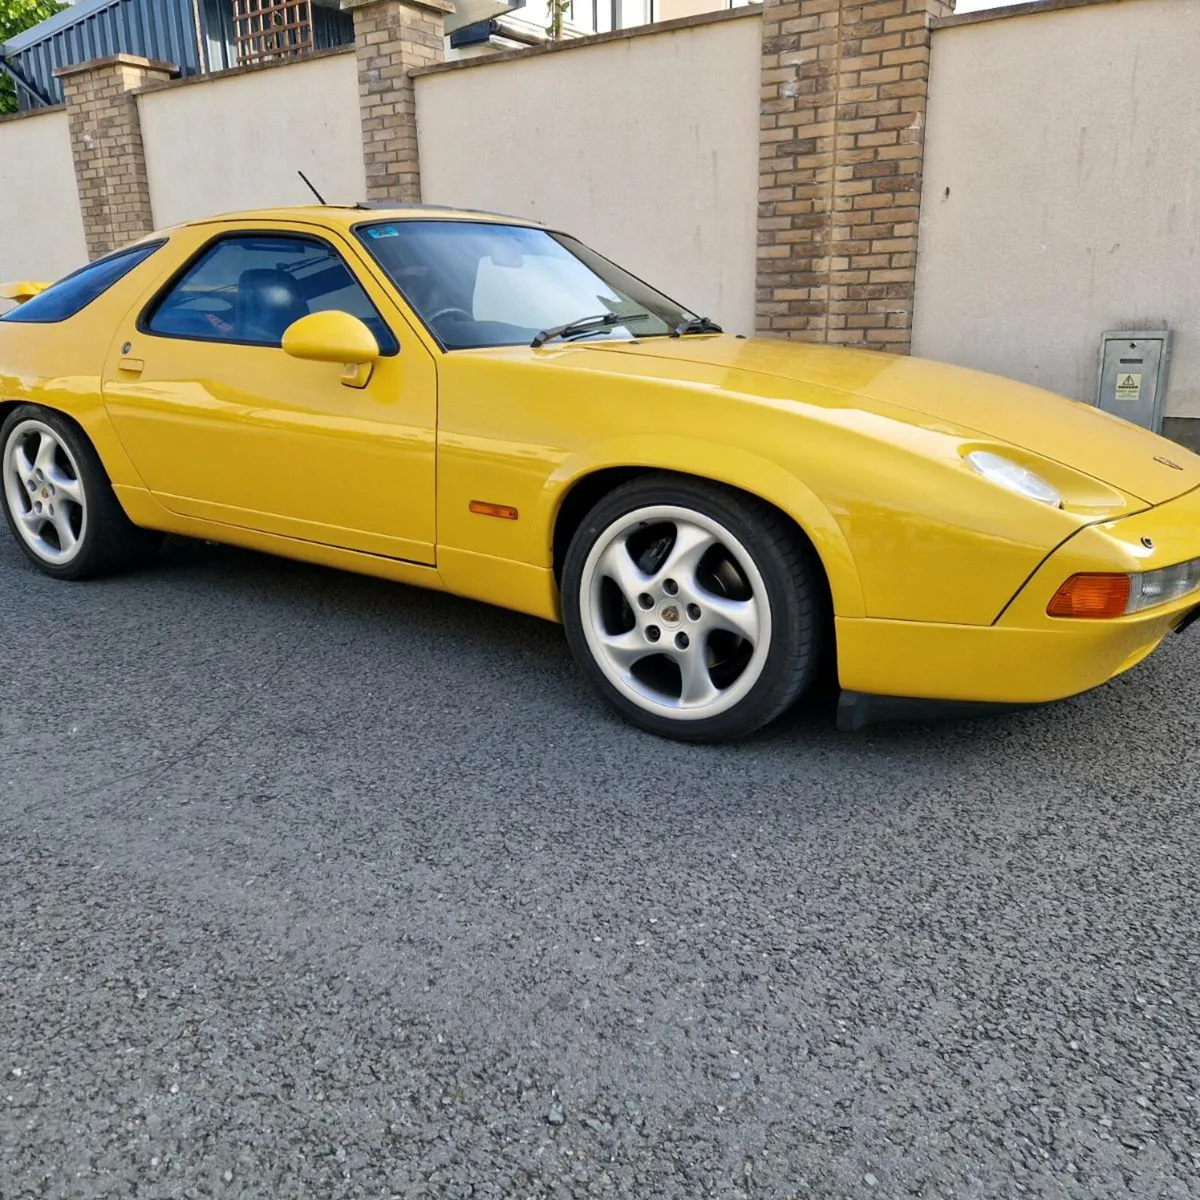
77,12
195,36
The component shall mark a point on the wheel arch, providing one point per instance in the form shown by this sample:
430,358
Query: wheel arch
103,539
10,406
581,490
90,418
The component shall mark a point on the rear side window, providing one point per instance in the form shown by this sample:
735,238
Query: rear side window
74,293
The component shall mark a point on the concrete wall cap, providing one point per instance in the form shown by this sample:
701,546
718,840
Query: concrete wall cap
116,60
442,6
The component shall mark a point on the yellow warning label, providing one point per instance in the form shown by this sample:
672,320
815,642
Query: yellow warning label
1129,386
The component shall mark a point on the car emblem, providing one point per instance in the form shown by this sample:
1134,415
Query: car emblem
1166,462
670,615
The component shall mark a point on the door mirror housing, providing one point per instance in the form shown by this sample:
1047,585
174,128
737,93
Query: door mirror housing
335,337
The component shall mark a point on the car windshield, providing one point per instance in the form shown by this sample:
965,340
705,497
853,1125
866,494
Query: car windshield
480,284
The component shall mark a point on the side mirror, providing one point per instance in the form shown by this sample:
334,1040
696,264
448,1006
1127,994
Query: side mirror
335,337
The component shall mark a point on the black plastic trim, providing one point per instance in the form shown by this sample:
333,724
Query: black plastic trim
1189,620
858,710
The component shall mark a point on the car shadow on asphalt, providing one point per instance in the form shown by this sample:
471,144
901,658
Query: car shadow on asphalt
469,629
227,567
815,716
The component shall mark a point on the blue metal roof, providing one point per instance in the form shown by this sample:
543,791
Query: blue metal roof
166,30
68,16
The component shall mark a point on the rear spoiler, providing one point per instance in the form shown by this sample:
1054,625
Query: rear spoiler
20,292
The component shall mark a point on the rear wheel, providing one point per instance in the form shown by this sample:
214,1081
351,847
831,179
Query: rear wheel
59,503
692,608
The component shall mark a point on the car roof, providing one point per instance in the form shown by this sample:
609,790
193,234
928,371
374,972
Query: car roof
344,216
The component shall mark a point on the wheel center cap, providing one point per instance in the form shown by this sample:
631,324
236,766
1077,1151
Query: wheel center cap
669,614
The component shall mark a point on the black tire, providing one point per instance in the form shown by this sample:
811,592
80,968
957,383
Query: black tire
794,585
108,540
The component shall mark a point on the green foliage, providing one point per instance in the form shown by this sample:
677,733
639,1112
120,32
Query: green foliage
559,10
15,17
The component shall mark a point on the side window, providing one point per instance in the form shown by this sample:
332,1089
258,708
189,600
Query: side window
249,289
74,293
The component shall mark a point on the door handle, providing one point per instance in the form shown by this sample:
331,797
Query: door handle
135,366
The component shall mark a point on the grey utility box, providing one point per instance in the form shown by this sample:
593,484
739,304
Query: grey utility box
1133,375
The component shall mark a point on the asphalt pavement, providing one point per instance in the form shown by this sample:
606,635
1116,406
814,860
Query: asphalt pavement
315,886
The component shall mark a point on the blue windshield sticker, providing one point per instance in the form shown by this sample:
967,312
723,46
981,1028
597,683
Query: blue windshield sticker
383,231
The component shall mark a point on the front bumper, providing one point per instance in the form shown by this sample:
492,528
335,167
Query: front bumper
1025,656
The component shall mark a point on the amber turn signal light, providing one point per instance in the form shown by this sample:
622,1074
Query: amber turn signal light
481,508
1092,596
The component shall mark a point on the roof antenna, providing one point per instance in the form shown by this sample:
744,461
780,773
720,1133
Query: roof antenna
312,189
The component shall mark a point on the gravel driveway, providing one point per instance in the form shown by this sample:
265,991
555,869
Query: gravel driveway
312,886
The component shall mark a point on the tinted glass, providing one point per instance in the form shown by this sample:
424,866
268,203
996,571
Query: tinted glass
480,284
77,291
251,289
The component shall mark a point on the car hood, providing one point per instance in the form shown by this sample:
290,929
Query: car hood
1076,435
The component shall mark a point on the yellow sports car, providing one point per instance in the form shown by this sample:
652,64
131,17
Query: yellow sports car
485,406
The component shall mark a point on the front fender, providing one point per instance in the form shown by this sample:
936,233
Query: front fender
722,464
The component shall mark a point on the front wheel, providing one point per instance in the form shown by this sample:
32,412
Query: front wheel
692,608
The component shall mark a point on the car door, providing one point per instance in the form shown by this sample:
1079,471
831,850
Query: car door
224,426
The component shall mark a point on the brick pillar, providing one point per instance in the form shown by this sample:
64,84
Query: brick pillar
844,93
106,143
393,37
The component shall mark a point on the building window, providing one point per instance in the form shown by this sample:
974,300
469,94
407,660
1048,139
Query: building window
268,30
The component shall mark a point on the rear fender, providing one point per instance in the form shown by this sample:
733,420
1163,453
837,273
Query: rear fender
78,397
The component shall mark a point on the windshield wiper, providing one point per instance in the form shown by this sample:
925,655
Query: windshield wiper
585,325
696,325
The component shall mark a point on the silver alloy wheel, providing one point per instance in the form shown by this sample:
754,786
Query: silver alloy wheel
675,612
44,492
